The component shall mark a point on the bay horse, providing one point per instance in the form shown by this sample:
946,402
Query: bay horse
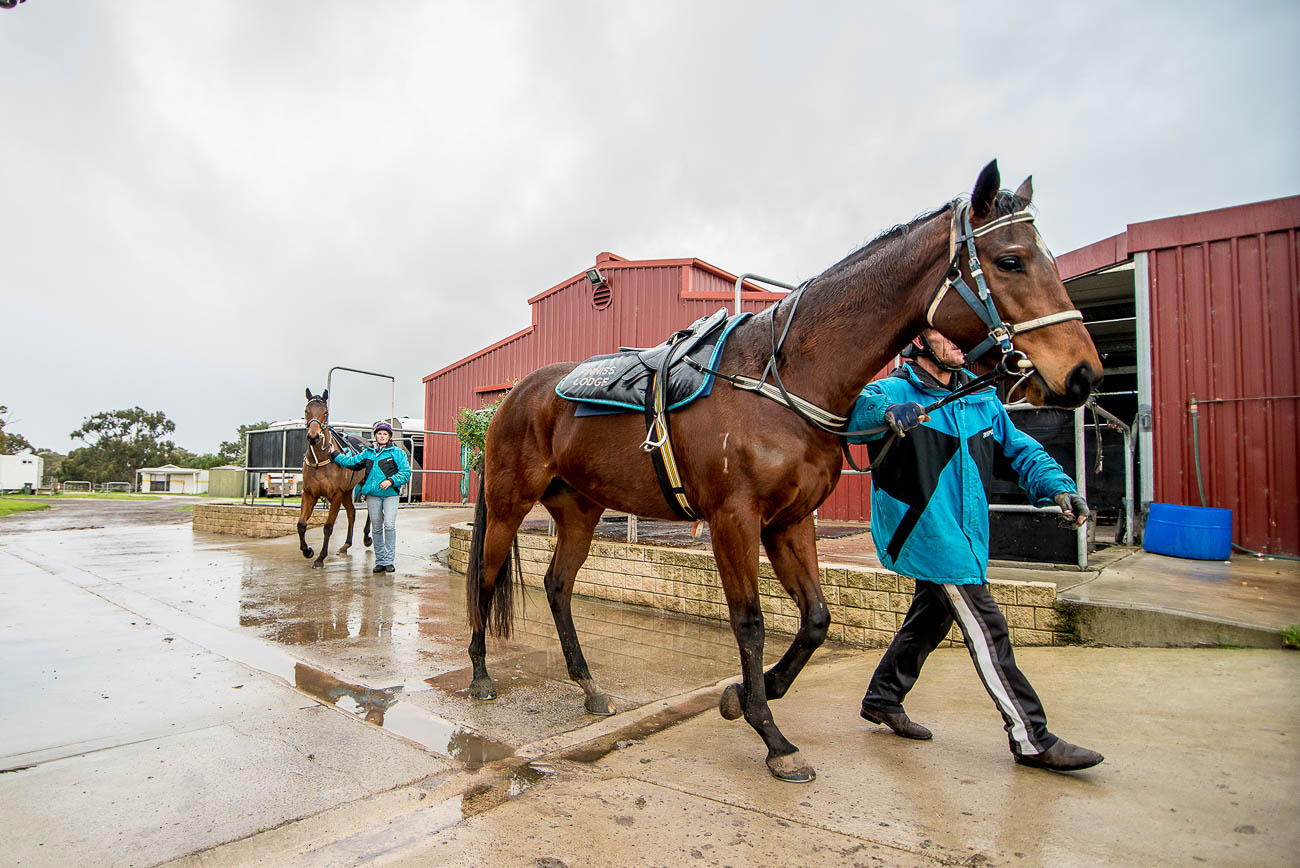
755,470
323,479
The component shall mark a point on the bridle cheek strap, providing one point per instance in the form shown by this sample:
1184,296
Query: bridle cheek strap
981,300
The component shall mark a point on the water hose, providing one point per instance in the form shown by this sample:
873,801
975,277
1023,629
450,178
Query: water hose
1200,486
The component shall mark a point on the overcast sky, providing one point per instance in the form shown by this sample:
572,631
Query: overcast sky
206,205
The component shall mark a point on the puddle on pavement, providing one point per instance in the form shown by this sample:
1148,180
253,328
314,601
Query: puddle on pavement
379,706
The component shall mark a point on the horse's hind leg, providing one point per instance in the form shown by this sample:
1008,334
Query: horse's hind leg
793,552
500,517
352,518
735,546
304,513
575,517
329,528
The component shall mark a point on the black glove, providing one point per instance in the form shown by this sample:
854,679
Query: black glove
1074,509
902,418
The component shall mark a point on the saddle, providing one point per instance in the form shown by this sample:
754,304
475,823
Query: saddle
655,381
347,442
620,382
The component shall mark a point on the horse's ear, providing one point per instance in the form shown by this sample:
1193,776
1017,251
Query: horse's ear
325,396
309,393
1026,189
986,190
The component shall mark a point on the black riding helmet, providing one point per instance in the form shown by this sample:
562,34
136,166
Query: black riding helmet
912,351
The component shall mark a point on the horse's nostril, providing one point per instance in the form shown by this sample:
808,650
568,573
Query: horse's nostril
1081,380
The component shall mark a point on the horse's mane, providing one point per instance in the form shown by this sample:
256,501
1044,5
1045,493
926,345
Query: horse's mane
1004,203
889,253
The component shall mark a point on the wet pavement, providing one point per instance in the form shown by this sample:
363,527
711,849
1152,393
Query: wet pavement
173,693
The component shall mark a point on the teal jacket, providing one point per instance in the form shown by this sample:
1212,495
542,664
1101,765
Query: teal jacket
929,496
370,486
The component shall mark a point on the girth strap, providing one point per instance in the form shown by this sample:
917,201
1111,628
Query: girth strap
658,441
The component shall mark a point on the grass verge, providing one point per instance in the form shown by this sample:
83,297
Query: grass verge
10,506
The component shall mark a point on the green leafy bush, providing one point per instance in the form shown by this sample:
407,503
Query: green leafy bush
471,429
1291,636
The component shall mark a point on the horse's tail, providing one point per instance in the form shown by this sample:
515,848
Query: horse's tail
500,620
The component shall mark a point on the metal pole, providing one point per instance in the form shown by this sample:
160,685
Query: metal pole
1129,445
1081,482
392,410
1146,389
284,460
748,275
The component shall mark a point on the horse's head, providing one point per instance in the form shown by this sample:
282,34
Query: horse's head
317,414
1029,305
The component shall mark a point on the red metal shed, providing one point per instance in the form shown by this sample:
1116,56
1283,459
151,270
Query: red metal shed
1216,326
639,304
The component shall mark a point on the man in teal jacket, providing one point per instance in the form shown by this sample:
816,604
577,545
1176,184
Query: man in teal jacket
389,471
930,521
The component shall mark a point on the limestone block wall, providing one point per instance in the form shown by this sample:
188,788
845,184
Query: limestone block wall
255,521
866,606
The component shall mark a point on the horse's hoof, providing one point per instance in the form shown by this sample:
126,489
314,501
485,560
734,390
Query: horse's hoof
729,703
482,689
306,553
343,550
791,769
599,704
316,565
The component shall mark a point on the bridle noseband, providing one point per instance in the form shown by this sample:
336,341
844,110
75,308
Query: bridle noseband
980,300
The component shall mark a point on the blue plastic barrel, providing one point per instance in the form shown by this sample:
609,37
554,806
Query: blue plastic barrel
1202,533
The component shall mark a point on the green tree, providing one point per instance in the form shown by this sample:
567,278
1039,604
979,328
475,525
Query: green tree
183,457
119,442
11,444
232,451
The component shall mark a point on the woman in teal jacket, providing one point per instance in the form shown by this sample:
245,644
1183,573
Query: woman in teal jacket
930,521
390,469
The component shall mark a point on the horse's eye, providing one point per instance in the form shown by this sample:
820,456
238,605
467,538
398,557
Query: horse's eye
1010,263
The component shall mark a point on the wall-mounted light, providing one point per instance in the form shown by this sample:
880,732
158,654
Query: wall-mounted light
596,278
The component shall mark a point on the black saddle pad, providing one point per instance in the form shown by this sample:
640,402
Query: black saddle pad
618,382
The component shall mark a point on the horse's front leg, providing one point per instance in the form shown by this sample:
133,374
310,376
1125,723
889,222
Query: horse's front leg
352,518
793,552
735,547
304,513
329,528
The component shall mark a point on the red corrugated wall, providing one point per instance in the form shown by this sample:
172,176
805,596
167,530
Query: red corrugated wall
650,299
1225,312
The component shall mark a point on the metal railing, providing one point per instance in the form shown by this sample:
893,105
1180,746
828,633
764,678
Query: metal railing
406,437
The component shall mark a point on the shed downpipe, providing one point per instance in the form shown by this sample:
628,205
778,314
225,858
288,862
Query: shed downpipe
1192,405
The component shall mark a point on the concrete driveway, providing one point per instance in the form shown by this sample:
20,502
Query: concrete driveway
174,695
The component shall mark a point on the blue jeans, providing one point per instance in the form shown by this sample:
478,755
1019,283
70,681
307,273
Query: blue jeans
383,527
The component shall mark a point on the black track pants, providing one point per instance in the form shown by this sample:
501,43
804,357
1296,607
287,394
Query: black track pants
931,615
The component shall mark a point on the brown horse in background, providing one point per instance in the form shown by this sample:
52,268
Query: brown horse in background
323,479
755,470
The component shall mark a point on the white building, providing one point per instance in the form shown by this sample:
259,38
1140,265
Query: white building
173,479
21,469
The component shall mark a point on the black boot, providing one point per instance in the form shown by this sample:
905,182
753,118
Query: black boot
379,568
1062,757
898,722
